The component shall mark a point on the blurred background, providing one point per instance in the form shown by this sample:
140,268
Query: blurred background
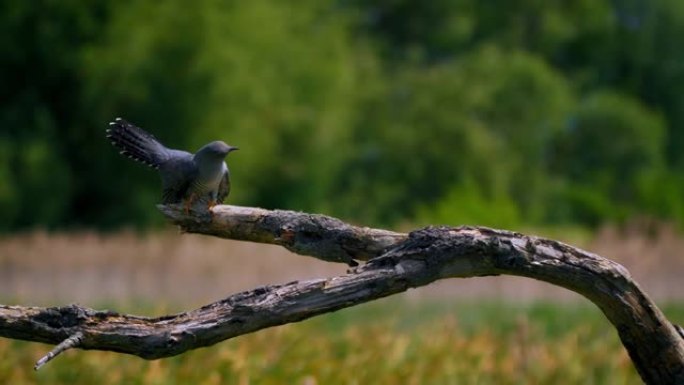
559,118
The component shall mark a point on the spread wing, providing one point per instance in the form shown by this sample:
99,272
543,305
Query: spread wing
224,187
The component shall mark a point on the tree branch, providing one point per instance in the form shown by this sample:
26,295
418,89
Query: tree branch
396,262
315,235
65,345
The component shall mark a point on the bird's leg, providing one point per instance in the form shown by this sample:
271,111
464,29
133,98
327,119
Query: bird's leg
211,203
188,203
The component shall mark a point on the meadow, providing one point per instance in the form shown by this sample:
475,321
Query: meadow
494,330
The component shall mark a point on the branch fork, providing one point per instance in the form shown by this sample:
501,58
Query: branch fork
69,343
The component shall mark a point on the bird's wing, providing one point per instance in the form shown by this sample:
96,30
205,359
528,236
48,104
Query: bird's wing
224,187
178,174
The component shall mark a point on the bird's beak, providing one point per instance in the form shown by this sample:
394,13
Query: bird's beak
233,149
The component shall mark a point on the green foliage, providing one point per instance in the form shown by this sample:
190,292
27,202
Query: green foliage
465,204
605,180
8,189
456,123
382,112
40,114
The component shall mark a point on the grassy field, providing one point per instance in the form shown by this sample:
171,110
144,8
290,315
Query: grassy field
387,342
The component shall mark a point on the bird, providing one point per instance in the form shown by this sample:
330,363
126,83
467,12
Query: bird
186,178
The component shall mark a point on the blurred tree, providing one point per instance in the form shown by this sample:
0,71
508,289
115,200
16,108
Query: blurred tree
466,204
611,146
9,199
657,62
40,104
423,30
371,110
627,46
525,107
441,29
453,124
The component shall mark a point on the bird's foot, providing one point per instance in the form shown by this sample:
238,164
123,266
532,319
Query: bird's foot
353,267
188,203
210,205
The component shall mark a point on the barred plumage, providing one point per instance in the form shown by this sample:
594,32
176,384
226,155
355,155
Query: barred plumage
136,143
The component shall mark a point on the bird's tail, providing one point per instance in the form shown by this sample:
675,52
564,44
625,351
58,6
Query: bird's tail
137,144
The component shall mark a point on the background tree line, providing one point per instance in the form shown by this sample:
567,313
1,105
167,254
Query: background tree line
380,112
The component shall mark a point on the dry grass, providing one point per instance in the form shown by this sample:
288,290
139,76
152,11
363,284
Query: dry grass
164,267
171,269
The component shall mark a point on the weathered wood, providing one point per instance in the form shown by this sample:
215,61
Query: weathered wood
315,235
396,262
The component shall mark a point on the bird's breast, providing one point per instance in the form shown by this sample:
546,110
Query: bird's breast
209,181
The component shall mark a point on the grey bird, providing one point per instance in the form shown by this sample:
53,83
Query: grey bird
186,177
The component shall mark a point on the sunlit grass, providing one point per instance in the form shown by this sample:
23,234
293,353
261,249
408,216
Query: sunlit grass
389,342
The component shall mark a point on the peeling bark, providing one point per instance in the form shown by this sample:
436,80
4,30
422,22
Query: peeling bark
396,262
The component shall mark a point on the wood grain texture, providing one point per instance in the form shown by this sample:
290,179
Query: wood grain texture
396,262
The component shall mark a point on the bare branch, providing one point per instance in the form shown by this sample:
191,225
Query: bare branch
314,235
65,345
396,262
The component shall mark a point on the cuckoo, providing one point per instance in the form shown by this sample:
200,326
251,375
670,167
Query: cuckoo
186,178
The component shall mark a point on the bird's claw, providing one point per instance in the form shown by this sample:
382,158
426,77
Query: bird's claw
353,266
188,203
210,205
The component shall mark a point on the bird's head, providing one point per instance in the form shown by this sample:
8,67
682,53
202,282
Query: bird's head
217,149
